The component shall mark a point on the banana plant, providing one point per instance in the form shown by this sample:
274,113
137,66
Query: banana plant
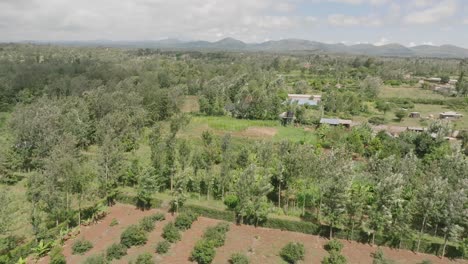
43,248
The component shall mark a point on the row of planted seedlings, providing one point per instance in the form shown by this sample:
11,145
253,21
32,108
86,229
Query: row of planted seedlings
133,235
205,249
172,231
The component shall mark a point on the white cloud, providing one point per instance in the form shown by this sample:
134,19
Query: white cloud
147,19
382,41
435,13
465,21
412,44
358,2
429,43
344,20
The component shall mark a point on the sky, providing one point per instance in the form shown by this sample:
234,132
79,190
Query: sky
379,22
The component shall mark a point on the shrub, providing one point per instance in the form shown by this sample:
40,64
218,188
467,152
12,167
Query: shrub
377,120
293,252
217,234
133,236
147,223
114,222
158,217
203,252
239,258
116,251
56,256
231,201
379,257
81,246
145,258
163,247
171,233
184,220
334,245
96,259
334,258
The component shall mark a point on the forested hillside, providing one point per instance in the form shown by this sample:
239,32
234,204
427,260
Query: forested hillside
81,127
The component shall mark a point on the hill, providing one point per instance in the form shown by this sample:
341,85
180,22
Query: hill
284,45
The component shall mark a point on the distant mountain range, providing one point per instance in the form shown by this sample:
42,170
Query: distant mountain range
286,45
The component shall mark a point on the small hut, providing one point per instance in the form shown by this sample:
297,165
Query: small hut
415,115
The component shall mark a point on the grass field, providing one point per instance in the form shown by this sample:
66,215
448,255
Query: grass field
408,92
21,225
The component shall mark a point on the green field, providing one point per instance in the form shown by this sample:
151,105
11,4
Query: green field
408,92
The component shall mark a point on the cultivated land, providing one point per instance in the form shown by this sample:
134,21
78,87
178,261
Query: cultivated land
261,245
201,132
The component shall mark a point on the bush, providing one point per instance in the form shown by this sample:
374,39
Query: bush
203,252
171,233
334,245
96,259
231,201
145,258
239,258
81,246
184,220
133,236
163,247
291,225
147,222
116,251
114,222
217,234
56,256
293,252
212,213
376,120
334,258
379,257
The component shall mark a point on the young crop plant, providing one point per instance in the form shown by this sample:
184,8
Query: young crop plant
292,252
171,233
81,246
133,236
163,247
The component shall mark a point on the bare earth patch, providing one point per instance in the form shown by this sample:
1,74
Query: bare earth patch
256,132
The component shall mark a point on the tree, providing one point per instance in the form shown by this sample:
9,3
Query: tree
227,159
359,196
400,114
371,86
6,212
337,174
430,199
383,106
110,168
454,212
148,184
251,189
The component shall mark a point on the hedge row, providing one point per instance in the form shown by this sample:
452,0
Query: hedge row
128,199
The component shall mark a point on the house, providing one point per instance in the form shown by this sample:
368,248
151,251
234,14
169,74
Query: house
336,122
415,115
304,99
450,115
416,129
434,79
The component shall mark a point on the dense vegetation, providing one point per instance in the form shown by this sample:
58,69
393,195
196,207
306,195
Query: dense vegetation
82,124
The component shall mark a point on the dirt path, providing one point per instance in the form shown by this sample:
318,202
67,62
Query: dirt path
180,251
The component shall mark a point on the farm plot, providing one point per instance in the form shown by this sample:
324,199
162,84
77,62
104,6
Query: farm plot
260,245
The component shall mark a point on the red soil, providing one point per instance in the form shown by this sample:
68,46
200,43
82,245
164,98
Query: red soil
260,244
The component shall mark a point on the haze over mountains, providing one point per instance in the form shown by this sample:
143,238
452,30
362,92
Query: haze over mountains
286,45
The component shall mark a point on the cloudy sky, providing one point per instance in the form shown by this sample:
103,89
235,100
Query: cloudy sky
409,22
